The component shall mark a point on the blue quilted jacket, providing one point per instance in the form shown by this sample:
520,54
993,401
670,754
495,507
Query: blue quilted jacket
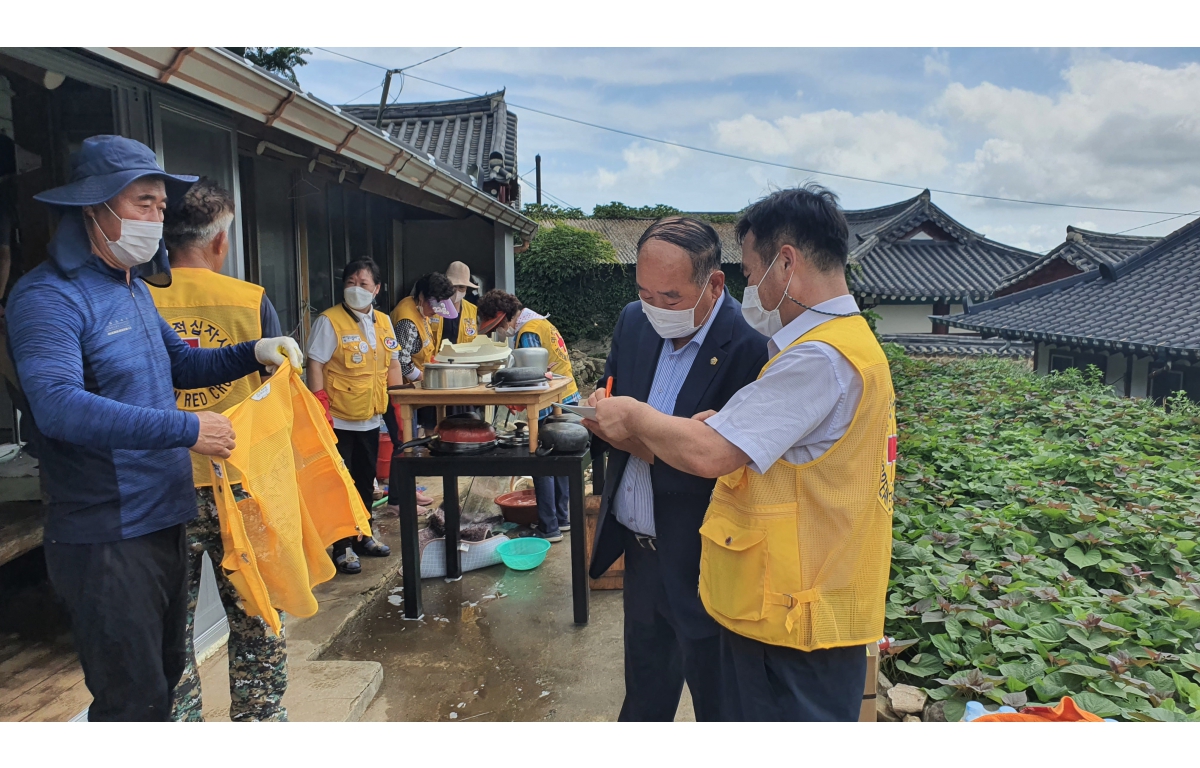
98,365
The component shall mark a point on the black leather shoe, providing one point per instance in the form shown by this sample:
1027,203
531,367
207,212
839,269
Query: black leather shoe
369,546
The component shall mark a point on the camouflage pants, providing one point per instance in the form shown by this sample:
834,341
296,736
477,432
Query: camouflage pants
257,659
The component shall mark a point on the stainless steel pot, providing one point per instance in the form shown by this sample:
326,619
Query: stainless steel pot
450,376
531,357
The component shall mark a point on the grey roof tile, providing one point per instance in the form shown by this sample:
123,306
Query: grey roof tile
966,265
958,345
1144,303
1084,250
461,133
625,233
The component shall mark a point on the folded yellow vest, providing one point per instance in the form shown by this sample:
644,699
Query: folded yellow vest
300,500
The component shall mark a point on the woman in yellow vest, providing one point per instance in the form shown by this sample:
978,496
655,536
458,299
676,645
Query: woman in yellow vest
796,543
503,314
353,357
413,316
465,327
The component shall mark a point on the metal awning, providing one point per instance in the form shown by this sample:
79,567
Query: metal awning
228,80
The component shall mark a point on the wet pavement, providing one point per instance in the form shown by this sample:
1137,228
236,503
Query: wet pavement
499,645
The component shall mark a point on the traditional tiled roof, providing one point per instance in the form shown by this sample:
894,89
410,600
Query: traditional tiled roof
957,345
947,263
1143,304
461,133
625,233
892,265
1083,250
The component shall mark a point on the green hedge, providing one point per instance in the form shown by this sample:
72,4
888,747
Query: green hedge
573,277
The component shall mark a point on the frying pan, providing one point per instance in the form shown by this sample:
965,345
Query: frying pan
458,434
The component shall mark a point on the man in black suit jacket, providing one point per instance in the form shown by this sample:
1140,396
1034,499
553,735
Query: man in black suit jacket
684,349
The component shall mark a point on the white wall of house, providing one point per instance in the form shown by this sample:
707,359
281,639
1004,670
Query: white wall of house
957,309
904,318
1116,368
911,318
1141,377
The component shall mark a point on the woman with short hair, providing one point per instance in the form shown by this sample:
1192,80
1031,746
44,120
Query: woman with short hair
353,357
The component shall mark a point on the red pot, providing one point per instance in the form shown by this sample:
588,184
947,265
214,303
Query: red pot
518,507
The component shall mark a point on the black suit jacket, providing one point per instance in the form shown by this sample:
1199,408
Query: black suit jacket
680,499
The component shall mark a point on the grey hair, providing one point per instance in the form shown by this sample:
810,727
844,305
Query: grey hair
697,238
199,215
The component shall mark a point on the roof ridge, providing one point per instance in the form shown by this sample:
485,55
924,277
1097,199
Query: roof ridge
1031,293
1091,233
899,206
1148,254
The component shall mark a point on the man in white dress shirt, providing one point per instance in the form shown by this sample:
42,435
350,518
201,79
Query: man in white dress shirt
792,634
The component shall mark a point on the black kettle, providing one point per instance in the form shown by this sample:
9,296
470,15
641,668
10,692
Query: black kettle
562,437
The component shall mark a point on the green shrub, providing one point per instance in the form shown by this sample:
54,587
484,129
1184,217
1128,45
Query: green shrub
1045,541
573,277
615,210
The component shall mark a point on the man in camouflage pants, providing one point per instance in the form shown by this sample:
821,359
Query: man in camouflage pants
257,659
207,308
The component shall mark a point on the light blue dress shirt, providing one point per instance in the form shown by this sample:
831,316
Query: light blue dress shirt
634,503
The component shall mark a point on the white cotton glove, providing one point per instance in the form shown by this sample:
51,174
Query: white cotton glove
272,353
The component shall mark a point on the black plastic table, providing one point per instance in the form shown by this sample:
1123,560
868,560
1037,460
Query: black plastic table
499,461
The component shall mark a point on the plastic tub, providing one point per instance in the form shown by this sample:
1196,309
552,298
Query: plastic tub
518,507
523,554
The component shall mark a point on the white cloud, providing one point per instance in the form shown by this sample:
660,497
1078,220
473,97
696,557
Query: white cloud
1120,133
642,164
938,63
873,144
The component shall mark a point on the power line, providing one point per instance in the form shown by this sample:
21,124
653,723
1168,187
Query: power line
364,93
380,66
1160,221
545,192
431,58
759,161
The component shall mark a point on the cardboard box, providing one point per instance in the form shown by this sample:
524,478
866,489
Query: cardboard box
870,687
614,577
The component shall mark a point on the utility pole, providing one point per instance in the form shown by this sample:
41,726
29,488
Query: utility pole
537,161
387,85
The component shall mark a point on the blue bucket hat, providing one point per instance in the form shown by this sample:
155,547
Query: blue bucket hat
104,166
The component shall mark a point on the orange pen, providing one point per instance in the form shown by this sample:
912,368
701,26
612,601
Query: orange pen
608,387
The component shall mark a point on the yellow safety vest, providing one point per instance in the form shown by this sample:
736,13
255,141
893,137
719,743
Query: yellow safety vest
468,325
301,499
552,341
208,310
356,375
407,310
800,556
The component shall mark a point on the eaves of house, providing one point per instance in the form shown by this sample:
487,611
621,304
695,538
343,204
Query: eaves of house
229,81
1142,304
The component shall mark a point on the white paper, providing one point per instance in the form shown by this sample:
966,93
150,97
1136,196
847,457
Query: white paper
580,410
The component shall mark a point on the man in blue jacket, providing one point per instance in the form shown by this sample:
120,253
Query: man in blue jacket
98,366
683,349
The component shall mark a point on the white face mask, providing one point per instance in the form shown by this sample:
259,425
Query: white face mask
767,322
675,323
510,331
358,298
138,241
459,296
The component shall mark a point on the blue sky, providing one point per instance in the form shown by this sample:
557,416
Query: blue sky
1105,127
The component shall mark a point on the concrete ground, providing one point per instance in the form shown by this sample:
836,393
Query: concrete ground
517,657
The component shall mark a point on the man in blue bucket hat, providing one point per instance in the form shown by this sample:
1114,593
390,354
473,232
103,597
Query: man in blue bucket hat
99,365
